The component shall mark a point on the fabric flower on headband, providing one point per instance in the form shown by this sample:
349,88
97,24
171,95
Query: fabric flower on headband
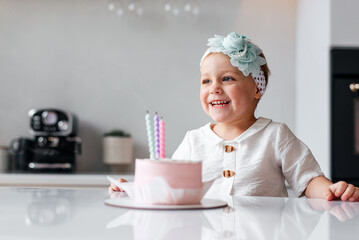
243,55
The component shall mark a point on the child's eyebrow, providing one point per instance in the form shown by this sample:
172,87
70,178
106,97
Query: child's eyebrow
232,70
221,72
204,75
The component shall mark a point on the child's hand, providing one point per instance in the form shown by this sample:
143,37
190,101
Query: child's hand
113,187
343,191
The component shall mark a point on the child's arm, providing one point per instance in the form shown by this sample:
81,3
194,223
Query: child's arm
322,187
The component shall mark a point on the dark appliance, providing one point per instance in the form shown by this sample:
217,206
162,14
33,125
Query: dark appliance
54,146
345,114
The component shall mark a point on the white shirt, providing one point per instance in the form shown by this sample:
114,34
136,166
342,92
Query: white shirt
264,156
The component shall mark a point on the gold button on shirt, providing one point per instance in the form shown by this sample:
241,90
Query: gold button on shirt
228,173
229,148
229,155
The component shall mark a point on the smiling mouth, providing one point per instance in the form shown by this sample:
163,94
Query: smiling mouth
219,103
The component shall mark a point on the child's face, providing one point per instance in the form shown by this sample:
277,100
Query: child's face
226,94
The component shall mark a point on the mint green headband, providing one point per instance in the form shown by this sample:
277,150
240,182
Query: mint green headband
243,55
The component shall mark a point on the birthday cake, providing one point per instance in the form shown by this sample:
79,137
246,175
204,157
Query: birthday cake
185,176
178,174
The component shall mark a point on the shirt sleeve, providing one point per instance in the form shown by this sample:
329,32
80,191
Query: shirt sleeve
183,151
297,161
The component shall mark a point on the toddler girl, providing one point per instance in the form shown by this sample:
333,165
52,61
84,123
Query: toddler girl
253,156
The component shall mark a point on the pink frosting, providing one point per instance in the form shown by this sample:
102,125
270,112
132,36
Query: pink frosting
179,174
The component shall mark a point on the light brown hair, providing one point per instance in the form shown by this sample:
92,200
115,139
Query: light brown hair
265,69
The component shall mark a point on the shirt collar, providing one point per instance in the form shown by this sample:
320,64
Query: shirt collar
256,127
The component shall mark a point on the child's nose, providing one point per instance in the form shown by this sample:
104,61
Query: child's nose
216,88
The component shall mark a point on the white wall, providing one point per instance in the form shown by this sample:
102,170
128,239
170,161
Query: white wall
345,23
76,55
312,78
321,24
271,25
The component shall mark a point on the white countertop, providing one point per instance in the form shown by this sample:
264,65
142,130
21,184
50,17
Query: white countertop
58,180
49,213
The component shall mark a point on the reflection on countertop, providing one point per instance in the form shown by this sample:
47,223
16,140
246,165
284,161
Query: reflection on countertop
244,218
48,208
37,213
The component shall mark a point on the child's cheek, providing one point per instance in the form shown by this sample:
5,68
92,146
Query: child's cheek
205,108
204,103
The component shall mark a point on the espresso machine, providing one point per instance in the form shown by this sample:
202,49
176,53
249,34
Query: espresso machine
54,145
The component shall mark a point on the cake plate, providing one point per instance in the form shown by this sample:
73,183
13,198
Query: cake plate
126,202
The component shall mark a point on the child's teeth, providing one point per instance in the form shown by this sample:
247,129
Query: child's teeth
222,103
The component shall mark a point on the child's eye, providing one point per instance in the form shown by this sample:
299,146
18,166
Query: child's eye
206,81
225,79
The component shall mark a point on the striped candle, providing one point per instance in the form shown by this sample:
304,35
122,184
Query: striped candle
151,144
162,138
156,135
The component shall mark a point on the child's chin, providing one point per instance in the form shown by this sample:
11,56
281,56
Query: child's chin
219,119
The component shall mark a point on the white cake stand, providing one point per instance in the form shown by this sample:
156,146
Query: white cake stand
126,202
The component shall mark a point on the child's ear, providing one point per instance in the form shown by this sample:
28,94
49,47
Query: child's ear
258,94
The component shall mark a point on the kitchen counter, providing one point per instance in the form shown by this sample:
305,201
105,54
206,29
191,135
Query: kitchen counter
50,213
58,180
